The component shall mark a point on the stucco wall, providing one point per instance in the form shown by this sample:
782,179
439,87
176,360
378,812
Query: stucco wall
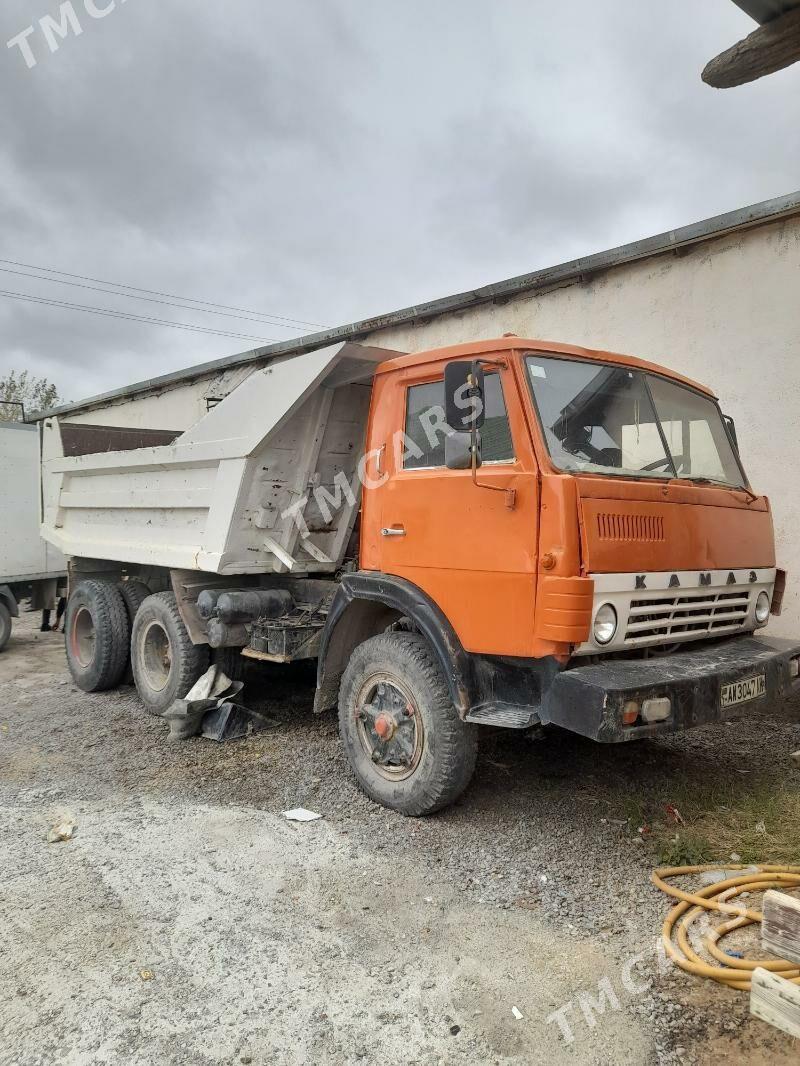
725,312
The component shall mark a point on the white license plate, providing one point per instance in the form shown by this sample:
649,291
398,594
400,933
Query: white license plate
741,691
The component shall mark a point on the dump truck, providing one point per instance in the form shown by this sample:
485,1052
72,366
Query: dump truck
507,533
29,566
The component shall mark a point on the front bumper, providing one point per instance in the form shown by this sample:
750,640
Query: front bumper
589,699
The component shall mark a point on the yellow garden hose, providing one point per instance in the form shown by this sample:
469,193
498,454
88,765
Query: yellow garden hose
675,932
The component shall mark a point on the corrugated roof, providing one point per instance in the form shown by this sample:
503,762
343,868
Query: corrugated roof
766,10
572,272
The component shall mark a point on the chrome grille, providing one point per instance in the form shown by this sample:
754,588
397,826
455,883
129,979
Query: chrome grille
684,615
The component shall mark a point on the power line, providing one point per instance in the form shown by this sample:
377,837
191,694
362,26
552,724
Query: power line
146,319
148,299
155,292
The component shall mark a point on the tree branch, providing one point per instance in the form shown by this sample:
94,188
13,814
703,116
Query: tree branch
771,47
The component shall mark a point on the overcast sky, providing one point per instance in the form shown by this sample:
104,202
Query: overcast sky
326,160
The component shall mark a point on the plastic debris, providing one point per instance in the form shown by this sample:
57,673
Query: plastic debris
186,716
674,814
146,975
517,1013
231,721
713,877
300,814
795,757
61,831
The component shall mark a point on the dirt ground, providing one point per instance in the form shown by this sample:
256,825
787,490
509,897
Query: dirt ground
188,922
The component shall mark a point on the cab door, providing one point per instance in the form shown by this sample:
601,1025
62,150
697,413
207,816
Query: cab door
471,547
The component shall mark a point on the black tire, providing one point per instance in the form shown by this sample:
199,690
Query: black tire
97,635
230,661
423,721
165,661
134,593
5,625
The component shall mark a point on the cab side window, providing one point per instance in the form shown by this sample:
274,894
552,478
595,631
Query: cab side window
425,425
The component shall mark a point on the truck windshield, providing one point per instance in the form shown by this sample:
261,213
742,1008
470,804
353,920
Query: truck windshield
604,419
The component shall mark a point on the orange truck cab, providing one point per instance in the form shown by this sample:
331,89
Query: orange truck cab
572,535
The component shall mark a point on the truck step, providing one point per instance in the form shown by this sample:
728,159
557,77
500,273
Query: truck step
508,717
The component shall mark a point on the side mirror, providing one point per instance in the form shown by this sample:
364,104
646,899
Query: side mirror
458,450
730,425
463,396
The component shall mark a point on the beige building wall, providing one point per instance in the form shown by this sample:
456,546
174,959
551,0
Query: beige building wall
725,312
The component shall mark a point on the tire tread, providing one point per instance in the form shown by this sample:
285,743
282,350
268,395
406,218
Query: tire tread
454,740
192,659
112,641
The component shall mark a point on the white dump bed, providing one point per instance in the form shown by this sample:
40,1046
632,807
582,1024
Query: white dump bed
219,494
24,556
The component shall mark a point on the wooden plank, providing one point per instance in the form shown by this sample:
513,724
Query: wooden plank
780,929
770,48
775,1000
78,438
263,656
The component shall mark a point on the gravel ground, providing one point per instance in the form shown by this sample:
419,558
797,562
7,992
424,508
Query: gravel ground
188,922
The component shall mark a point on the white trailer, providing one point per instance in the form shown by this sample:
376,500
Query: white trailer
28,564
237,481
225,494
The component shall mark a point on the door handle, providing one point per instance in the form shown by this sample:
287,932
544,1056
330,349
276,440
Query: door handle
393,531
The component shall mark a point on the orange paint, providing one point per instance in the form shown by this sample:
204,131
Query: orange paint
514,581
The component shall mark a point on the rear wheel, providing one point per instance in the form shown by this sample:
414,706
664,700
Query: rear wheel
165,661
98,635
134,593
5,625
405,742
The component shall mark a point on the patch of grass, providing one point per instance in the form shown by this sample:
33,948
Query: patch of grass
758,819
687,847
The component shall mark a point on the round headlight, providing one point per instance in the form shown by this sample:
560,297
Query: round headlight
762,608
605,624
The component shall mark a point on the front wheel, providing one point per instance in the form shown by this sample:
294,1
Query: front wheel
405,742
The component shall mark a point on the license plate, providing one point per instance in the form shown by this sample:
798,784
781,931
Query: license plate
741,691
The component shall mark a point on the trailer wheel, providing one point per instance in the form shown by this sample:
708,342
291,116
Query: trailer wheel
5,625
134,593
98,635
405,742
165,661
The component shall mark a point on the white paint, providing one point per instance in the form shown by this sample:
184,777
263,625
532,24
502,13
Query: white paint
200,503
724,312
23,553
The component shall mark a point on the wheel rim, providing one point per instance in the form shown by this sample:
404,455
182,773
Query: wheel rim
84,637
156,656
389,727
